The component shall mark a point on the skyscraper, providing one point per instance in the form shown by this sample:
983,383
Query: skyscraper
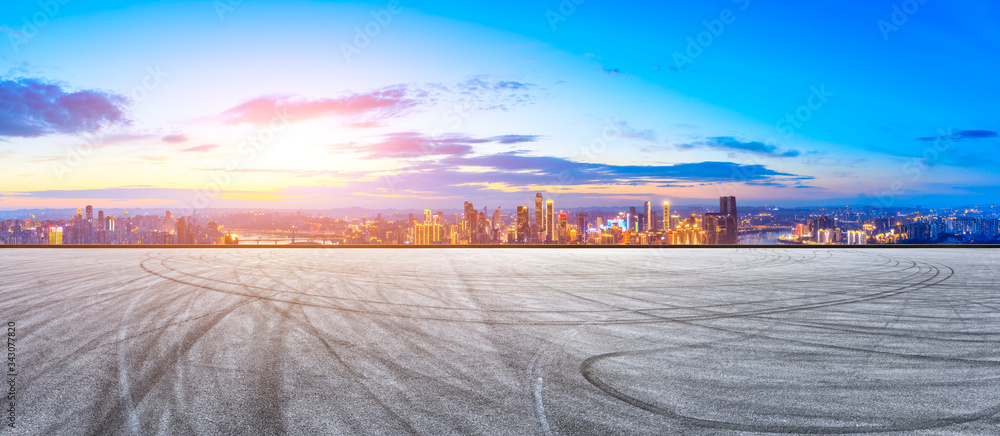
537,229
427,216
727,208
562,228
649,217
90,215
523,226
666,216
496,218
470,222
581,228
181,231
713,226
550,224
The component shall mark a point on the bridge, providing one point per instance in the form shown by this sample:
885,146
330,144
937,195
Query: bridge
274,236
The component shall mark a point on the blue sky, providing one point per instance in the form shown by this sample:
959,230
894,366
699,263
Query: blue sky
593,103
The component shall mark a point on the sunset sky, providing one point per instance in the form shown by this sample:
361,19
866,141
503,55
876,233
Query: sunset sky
412,104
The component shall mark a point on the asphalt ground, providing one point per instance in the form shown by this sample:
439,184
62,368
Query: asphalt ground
546,341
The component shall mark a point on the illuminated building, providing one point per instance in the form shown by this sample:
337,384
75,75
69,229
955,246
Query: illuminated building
550,218
562,228
714,228
427,216
523,234
427,234
823,237
470,223
856,237
55,235
537,229
581,226
666,216
648,227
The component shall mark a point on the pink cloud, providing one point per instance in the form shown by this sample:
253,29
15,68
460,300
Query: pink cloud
173,139
201,148
363,109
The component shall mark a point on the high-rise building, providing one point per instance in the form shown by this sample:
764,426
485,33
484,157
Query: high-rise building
481,228
496,219
470,222
713,228
182,231
55,235
666,216
550,218
562,228
90,215
427,216
539,212
824,236
524,228
649,217
581,228
727,208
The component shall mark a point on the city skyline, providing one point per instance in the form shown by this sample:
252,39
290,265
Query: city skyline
551,226
385,103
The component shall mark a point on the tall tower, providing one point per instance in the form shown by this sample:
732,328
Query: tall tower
538,217
427,216
649,217
550,224
523,229
666,216
470,222
727,208
496,218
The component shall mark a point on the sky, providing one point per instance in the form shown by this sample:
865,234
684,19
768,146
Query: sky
427,104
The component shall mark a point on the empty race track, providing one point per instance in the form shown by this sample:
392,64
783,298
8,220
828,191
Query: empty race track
504,341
